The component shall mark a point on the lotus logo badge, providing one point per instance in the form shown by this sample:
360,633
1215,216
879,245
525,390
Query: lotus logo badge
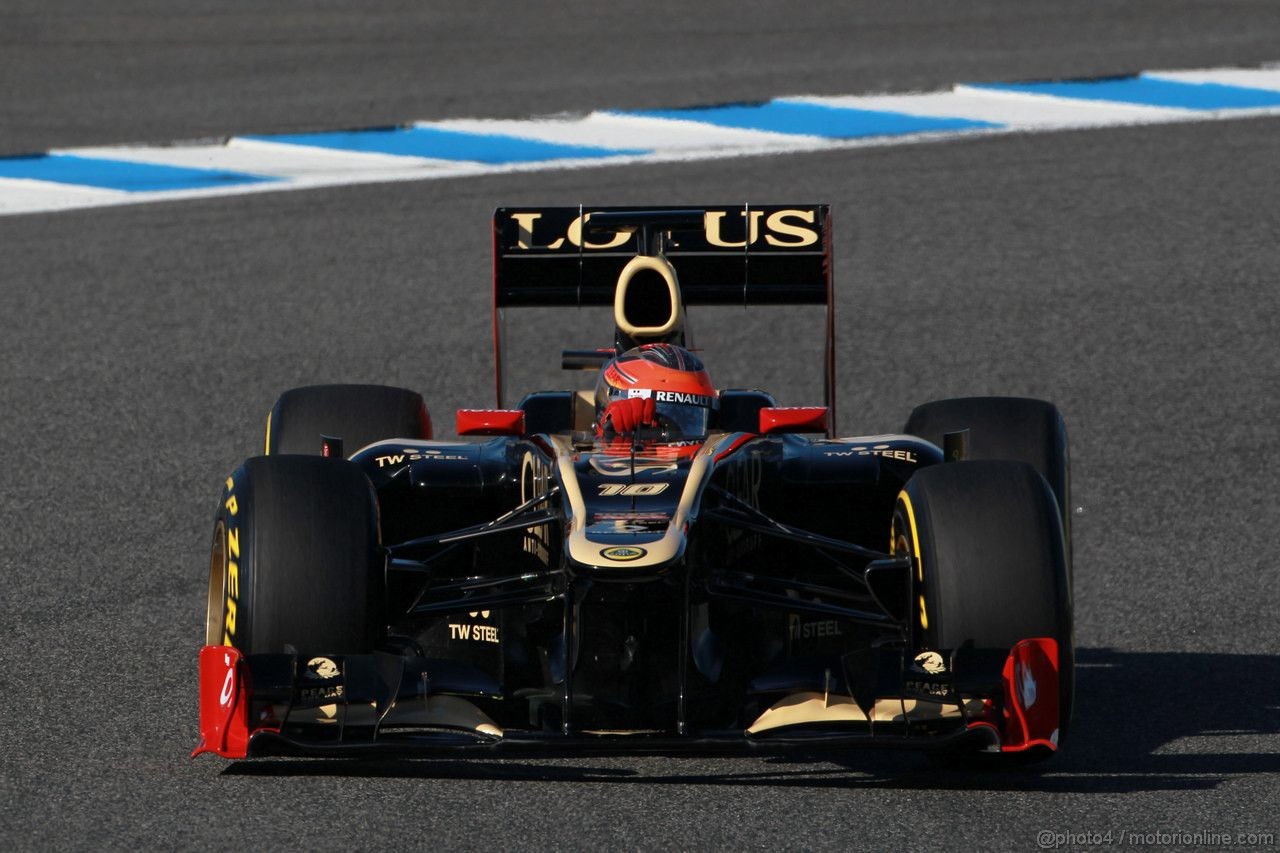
623,553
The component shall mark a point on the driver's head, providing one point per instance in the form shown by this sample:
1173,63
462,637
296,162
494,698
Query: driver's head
655,385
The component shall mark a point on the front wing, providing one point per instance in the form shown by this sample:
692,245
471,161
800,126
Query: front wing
382,704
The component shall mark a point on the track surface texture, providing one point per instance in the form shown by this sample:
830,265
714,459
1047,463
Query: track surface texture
78,72
1127,274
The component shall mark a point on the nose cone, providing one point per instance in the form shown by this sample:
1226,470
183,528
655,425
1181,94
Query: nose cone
633,517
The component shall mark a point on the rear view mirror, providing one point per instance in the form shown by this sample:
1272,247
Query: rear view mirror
490,422
776,420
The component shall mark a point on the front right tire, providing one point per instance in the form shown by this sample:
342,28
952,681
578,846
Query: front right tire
990,564
1016,428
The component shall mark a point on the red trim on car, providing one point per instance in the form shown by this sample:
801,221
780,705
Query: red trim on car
1031,706
490,422
733,447
224,703
775,420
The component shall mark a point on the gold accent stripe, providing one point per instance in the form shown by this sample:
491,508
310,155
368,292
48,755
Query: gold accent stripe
810,707
266,445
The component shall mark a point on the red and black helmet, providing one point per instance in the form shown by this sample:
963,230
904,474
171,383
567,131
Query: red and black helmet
674,378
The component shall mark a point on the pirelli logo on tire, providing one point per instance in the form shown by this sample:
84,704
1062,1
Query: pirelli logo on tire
231,559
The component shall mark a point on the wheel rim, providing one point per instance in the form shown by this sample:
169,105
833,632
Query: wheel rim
901,543
217,587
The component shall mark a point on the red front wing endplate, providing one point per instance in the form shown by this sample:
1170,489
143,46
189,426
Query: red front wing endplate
224,703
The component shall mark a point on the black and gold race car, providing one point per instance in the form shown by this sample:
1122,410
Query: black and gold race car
657,565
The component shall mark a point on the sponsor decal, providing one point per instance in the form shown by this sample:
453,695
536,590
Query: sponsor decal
634,490
930,662
791,228
232,585
808,630
629,522
228,684
322,669
622,467
885,451
527,223
1026,686
681,397
782,228
929,689
623,553
476,633
411,454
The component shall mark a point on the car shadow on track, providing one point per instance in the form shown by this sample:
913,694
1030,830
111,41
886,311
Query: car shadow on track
1143,722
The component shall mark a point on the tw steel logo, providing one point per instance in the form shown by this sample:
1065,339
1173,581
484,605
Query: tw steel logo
790,229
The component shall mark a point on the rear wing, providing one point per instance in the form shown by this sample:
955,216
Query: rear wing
724,254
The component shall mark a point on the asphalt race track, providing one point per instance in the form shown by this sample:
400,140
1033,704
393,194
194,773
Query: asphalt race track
1127,274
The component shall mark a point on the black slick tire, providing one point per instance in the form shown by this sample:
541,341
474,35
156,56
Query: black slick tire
990,563
357,414
296,559
1016,428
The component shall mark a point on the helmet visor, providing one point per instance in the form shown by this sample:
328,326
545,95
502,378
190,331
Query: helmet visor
680,420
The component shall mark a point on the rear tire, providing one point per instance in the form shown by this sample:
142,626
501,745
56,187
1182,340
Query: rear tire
357,414
296,559
991,567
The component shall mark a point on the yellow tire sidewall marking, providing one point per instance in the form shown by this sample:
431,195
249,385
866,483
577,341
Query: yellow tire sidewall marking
905,500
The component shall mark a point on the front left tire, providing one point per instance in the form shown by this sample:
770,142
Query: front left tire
296,561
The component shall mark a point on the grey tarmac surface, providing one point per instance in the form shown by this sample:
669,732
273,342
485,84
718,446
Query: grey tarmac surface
78,72
1127,274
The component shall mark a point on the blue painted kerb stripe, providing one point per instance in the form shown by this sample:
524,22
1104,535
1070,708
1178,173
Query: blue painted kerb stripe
439,144
1150,92
117,174
805,119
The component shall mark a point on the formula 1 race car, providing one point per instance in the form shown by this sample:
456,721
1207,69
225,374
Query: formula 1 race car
655,565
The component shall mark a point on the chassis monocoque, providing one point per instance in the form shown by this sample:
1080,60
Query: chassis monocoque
766,586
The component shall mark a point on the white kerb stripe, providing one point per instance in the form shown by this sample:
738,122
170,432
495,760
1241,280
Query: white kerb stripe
608,130
1004,108
19,195
269,159
1250,78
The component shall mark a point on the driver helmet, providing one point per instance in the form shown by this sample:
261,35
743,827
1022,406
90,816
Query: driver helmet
684,398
